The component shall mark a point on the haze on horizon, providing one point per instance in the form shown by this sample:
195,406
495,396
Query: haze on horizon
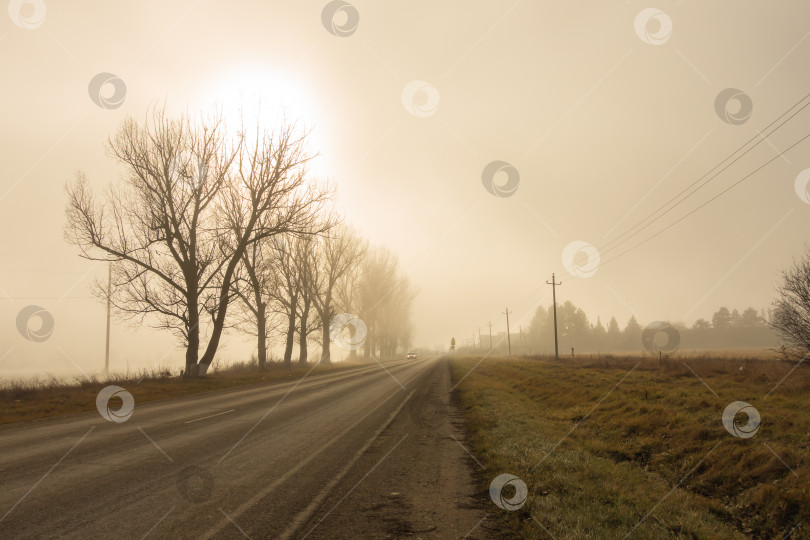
601,124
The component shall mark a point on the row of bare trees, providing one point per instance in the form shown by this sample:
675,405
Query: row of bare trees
208,231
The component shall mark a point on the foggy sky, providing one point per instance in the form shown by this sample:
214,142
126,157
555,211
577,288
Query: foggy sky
601,126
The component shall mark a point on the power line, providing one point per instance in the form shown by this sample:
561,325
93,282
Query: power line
741,180
762,137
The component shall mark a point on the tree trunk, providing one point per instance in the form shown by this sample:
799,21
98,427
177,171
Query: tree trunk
191,354
290,332
302,334
325,355
222,310
193,349
261,321
290,341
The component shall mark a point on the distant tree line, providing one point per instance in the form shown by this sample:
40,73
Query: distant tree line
727,329
208,231
786,325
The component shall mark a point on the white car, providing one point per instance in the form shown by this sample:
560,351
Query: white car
411,356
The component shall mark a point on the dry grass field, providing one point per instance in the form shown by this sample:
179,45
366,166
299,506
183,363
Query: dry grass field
31,399
615,447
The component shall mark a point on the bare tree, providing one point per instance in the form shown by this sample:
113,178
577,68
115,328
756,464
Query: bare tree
791,313
385,297
180,226
286,289
305,258
397,327
304,328
347,291
254,279
379,267
331,257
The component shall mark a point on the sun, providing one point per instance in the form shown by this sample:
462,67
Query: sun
252,94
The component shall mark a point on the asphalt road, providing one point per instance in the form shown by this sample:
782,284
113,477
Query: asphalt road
373,452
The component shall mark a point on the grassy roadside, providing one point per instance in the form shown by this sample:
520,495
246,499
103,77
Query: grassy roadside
613,446
42,399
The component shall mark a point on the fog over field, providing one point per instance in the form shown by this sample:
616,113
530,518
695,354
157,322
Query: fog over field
486,144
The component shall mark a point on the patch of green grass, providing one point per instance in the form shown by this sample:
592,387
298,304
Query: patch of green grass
38,398
613,446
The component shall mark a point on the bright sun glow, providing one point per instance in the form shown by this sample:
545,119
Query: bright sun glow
256,93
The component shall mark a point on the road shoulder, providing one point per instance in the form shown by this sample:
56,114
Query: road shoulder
415,481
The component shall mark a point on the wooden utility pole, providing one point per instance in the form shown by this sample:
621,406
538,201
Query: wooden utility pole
554,284
109,292
508,337
490,335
